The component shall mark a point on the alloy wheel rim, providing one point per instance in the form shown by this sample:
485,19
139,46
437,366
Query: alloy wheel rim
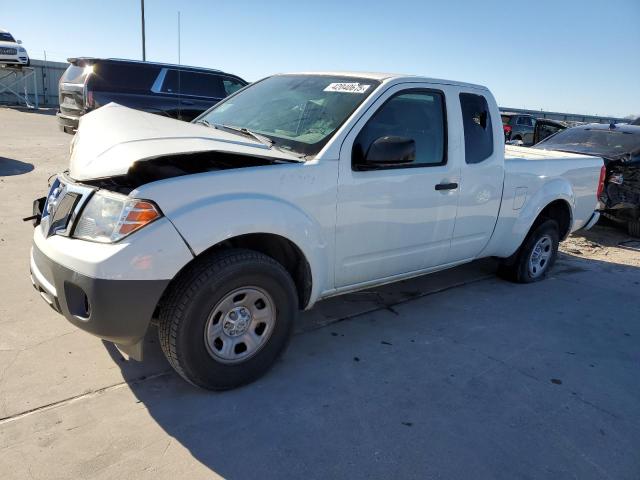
240,324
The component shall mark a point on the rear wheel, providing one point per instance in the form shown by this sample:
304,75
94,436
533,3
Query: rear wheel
227,319
535,257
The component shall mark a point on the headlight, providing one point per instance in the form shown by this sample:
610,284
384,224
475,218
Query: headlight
22,50
109,217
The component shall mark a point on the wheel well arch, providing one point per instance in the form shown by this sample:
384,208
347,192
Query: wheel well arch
281,249
560,211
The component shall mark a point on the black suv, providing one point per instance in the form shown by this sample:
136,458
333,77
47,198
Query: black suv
172,90
518,126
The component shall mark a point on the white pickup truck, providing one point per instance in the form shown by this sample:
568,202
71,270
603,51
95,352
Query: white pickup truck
296,188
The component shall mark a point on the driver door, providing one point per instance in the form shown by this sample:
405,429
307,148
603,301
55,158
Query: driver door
397,219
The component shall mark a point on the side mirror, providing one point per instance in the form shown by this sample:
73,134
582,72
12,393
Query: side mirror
19,42
390,151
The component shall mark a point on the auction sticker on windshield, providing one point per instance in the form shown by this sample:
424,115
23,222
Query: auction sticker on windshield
352,87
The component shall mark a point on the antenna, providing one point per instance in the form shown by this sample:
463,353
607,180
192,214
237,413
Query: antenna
178,37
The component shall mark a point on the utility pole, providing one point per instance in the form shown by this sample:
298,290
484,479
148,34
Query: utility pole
144,49
45,79
179,72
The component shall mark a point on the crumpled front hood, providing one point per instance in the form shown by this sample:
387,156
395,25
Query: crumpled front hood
110,139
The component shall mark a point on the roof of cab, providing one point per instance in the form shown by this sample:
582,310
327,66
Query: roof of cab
382,77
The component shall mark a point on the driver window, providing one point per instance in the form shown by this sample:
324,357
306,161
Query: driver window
417,115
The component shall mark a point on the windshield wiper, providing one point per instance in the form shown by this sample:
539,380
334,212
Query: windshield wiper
246,132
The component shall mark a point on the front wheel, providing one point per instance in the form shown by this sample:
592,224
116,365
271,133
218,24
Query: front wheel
536,256
227,319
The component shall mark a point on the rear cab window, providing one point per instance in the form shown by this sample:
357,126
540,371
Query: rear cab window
478,132
526,121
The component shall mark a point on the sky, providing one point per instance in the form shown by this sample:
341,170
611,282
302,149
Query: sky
561,55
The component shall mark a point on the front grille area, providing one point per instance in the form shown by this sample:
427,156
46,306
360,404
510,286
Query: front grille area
8,51
62,214
64,201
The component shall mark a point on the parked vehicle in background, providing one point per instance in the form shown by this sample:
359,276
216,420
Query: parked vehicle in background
636,121
518,127
174,91
545,128
11,51
297,188
619,145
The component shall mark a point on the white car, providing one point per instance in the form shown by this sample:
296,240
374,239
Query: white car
296,188
11,51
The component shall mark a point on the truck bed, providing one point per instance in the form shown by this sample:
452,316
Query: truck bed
530,177
532,171
512,152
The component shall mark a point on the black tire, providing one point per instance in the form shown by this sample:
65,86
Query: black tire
516,268
633,227
185,310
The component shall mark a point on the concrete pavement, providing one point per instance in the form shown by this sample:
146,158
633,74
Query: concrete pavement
454,375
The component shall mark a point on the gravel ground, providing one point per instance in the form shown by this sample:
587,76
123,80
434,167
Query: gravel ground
606,243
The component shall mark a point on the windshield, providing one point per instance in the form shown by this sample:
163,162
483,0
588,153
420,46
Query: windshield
298,113
6,37
607,143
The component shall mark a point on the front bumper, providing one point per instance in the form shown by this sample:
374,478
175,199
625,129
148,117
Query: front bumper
67,123
116,310
107,289
20,59
592,221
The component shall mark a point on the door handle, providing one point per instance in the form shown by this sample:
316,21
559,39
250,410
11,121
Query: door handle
446,186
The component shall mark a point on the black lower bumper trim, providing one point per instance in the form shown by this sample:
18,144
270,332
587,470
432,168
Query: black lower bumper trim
116,310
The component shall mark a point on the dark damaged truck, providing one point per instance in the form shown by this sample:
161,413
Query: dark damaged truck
619,146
